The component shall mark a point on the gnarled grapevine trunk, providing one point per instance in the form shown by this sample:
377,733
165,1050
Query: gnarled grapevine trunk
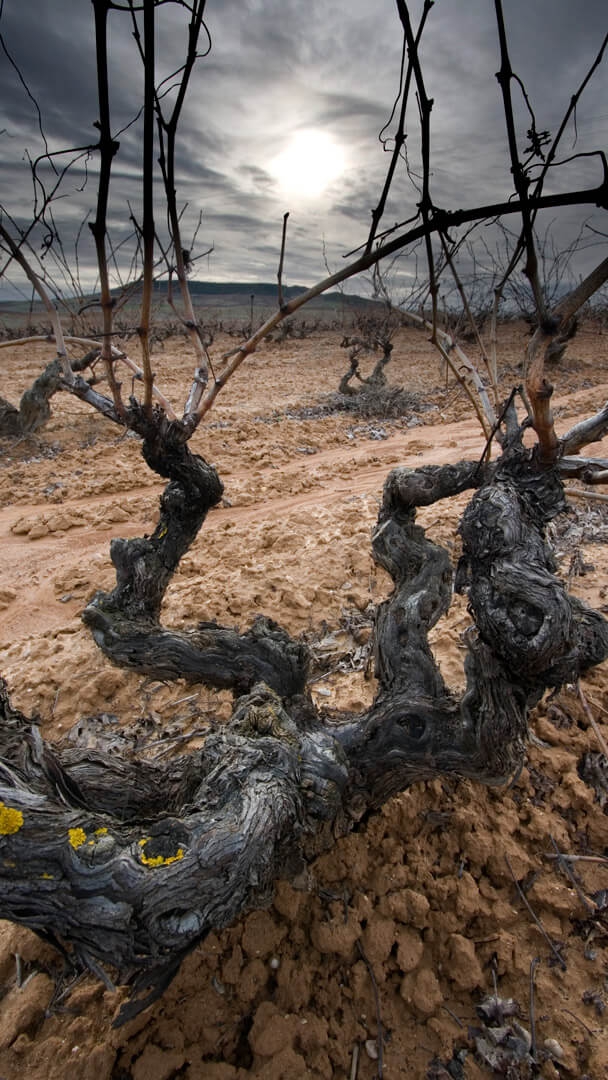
125,623
34,407
90,860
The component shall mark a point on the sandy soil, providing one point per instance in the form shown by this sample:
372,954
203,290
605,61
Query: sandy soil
409,923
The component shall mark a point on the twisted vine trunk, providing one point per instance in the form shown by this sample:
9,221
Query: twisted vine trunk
88,857
34,406
125,623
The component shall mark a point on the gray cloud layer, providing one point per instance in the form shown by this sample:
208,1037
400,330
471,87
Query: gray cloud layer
281,66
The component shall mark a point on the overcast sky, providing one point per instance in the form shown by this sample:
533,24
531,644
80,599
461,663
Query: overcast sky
285,111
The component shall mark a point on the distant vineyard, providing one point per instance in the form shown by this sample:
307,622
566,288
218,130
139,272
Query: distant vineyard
235,308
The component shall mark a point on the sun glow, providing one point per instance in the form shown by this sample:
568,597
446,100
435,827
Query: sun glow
308,165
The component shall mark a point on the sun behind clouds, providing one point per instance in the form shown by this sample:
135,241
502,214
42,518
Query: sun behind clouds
308,164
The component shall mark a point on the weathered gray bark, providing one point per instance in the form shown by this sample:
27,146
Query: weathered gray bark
34,407
90,860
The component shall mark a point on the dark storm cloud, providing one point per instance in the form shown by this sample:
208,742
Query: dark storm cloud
278,67
53,46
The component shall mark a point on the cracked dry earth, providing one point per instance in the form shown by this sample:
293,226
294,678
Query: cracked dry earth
411,929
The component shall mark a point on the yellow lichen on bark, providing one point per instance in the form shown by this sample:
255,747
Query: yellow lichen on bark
155,861
77,838
11,820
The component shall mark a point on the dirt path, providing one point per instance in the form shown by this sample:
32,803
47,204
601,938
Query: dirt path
32,561
34,552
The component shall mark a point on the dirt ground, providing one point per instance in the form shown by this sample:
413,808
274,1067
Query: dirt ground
407,925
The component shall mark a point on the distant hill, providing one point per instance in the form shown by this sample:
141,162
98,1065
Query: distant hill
229,294
224,294
261,290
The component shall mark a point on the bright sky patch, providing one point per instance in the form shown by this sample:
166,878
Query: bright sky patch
308,164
